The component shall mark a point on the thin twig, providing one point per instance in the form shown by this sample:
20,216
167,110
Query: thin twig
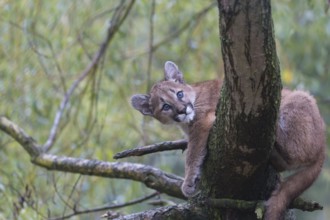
176,33
75,185
179,31
103,208
163,146
151,42
114,25
144,134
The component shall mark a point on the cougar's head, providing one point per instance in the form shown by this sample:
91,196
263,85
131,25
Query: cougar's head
170,100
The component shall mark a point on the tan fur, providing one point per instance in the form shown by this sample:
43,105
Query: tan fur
300,144
300,137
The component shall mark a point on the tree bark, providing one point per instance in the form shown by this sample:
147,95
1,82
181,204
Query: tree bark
177,212
150,176
244,132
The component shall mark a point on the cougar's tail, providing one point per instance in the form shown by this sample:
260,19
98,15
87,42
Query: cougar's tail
291,188
296,184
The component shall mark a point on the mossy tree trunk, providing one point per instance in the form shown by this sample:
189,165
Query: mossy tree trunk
243,135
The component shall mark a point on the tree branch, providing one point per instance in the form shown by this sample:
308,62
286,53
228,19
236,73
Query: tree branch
114,25
109,207
177,212
304,205
162,146
259,206
27,142
150,176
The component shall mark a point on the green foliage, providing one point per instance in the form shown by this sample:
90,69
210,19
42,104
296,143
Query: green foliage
45,45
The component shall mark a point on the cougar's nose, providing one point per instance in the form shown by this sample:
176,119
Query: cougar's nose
183,110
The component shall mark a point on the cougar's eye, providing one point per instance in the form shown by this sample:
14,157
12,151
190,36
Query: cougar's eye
166,107
180,95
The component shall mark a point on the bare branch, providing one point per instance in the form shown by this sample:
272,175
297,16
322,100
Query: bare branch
183,211
27,142
178,212
114,25
108,207
304,205
298,203
163,146
150,176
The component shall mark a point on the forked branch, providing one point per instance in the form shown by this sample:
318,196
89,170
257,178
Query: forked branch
150,176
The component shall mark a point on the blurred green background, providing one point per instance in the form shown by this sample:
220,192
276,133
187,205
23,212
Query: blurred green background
45,45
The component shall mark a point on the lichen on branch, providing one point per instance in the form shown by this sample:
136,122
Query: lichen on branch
150,176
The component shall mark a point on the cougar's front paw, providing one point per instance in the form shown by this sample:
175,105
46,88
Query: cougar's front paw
189,187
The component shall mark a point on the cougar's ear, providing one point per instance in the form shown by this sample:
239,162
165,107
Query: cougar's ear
172,72
141,103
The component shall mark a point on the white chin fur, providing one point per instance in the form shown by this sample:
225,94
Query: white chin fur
190,117
190,114
186,118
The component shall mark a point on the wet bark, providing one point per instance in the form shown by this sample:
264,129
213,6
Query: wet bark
244,132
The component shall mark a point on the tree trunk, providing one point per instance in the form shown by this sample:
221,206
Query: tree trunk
244,132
